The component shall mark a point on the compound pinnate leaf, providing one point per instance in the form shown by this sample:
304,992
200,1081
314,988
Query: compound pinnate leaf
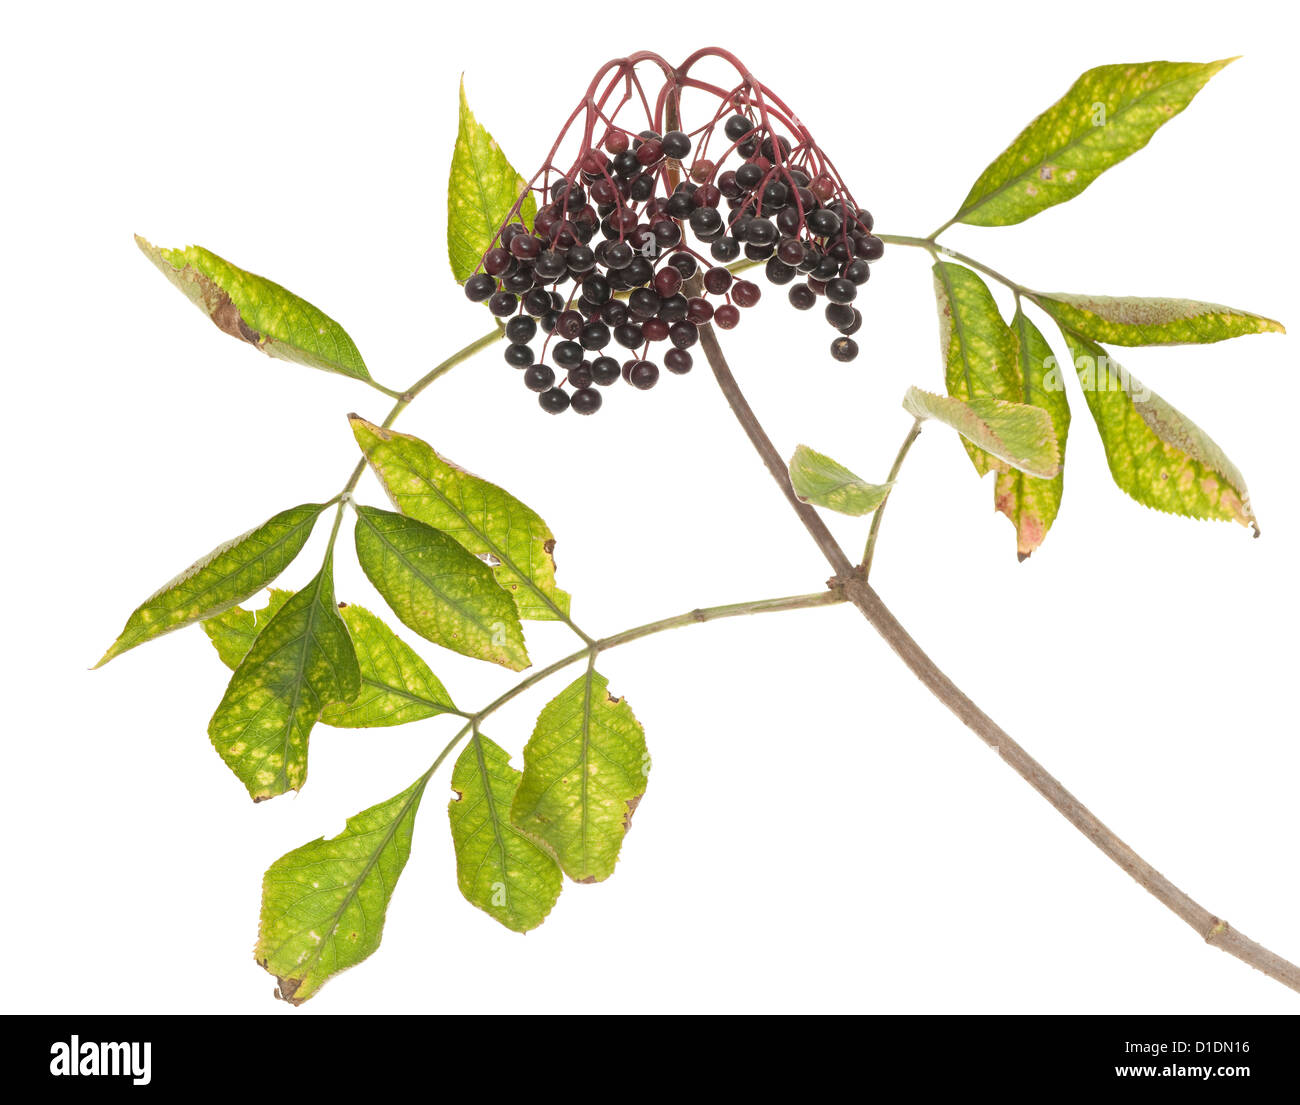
1109,113
1136,320
258,311
823,482
1015,435
323,905
481,192
1156,455
232,634
299,663
499,869
229,574
438,588
489,522
1031,502
978,348
585,770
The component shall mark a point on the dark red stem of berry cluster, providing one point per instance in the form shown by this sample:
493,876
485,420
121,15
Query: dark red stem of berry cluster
642,190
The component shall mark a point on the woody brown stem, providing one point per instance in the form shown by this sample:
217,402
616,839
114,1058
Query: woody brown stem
856,589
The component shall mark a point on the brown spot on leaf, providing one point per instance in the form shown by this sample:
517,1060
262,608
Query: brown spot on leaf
548,546
286,988
228,320
588,880
343,606
632,804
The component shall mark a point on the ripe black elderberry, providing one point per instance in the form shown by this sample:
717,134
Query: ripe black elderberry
519,355
586,401
645,374
614,256
554,401
844,349
539,377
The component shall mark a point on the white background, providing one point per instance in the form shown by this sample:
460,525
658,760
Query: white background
819,834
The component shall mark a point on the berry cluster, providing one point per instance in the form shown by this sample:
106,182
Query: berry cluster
606,274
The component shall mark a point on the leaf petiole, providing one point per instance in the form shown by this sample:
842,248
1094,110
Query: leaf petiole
869,553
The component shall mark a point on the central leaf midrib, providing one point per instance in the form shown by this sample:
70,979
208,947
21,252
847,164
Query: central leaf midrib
446,600
300,676
198,597
494,818
354,888
499,553
959,326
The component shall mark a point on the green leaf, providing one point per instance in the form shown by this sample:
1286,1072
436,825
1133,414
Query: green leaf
439,589
1108,113
1158,456
299,663
489,522
821,481
499,869
258,311
396,685
585,770
229,574
1014,434
480,194
232,634
978,348
323,904
1030,502
1136,320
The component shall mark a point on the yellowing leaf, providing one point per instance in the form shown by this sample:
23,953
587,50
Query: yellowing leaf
229,574
439,589
232,634
324,904
978,348
1014,434
1136,320
585,770
1032,502
823,482
298,664
1109,113
258,311
481,193
488,521
396,685
502,871
1157,455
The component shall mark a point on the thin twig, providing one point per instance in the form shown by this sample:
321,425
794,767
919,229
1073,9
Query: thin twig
870,552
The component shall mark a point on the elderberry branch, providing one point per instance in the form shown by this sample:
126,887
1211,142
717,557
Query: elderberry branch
856,589
935,250
832,597
405,398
